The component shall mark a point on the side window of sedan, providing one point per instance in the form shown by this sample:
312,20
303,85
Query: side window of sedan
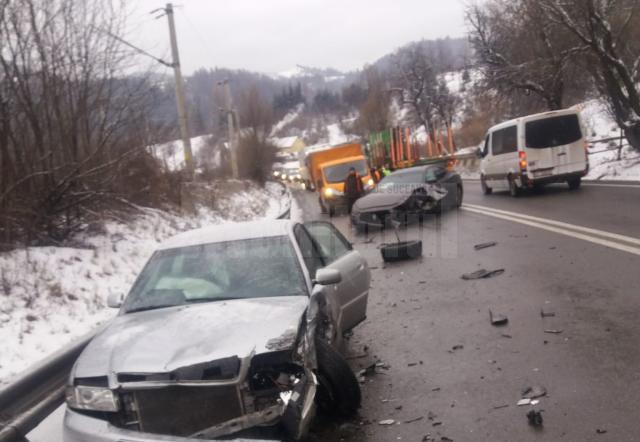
331,242
310,254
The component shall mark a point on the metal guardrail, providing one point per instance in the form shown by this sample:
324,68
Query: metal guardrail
29,398
34,395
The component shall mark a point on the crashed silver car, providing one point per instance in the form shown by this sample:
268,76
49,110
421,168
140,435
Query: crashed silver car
226,329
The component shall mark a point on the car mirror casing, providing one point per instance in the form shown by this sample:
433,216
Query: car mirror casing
327,276
115,300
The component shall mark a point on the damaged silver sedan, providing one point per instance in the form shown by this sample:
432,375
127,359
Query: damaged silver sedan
227,330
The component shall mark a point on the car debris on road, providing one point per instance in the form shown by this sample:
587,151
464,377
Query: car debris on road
497,319
482,274
485,245
535,418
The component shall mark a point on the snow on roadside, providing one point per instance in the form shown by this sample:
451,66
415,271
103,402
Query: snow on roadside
52,295
171,154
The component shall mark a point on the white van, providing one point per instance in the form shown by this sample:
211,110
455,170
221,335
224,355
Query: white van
533,151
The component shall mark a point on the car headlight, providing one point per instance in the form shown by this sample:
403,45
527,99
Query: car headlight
371,183
276,173
82,397
329,192
284,176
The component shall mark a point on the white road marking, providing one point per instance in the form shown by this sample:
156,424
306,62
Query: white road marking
626,186
553,226
603,233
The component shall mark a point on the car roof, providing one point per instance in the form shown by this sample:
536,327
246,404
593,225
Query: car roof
414,169
539,116
229,232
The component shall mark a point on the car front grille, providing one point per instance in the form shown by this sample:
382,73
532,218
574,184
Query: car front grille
183,411
374,217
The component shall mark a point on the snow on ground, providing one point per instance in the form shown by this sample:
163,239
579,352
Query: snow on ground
171,154
287,119
337,135
52,295
603,158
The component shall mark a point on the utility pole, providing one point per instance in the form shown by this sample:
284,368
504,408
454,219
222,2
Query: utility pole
231,122
180,99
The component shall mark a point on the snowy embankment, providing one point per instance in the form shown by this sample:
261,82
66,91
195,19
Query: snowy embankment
52,295
603,158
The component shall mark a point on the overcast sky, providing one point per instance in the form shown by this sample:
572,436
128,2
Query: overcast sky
272,36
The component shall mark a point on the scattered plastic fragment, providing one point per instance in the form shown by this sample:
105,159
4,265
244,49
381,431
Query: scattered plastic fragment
485,245
554,332
387,422
436,424
601,431
535,418
482,274
498,320
457,347
499,407
523,402
546,314
415,419
534,392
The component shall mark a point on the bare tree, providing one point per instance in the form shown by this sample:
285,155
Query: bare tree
374,111
70,120
609,29
256,154
421,90
519,49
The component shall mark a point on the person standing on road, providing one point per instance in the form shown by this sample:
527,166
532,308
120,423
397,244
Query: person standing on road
353,188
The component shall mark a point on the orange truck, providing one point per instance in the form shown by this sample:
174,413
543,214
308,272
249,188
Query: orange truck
328,167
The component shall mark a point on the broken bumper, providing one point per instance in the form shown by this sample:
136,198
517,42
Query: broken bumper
81,428
295,412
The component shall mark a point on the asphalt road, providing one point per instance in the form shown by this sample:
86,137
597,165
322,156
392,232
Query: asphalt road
420,311
582,265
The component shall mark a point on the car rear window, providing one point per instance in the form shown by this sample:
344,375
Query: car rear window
553,132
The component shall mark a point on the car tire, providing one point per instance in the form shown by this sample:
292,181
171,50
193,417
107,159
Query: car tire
459,196
513,187
485,188
574,183
332,211
338,390
401,251
323,208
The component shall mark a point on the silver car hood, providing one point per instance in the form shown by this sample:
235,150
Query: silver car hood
160,341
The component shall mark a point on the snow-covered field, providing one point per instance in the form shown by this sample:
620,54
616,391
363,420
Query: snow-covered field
52,295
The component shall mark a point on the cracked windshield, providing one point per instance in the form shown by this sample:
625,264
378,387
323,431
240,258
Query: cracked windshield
319,220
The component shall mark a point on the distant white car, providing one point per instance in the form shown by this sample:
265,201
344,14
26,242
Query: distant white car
226,328
533,151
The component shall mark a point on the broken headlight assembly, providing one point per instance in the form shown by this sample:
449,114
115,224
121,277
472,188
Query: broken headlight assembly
81,397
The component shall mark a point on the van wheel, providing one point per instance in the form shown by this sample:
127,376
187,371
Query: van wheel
574,183
513,187
339,391
485,188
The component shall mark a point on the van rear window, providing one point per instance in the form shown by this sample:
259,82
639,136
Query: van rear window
553,132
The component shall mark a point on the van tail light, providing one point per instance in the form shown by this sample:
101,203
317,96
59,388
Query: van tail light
523,160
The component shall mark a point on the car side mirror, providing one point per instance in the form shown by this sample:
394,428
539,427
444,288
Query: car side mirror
114,300
328,277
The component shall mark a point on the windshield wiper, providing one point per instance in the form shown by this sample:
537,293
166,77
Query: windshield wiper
228,298
150,307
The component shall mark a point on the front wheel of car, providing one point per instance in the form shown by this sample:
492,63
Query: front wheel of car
339,391
459,196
